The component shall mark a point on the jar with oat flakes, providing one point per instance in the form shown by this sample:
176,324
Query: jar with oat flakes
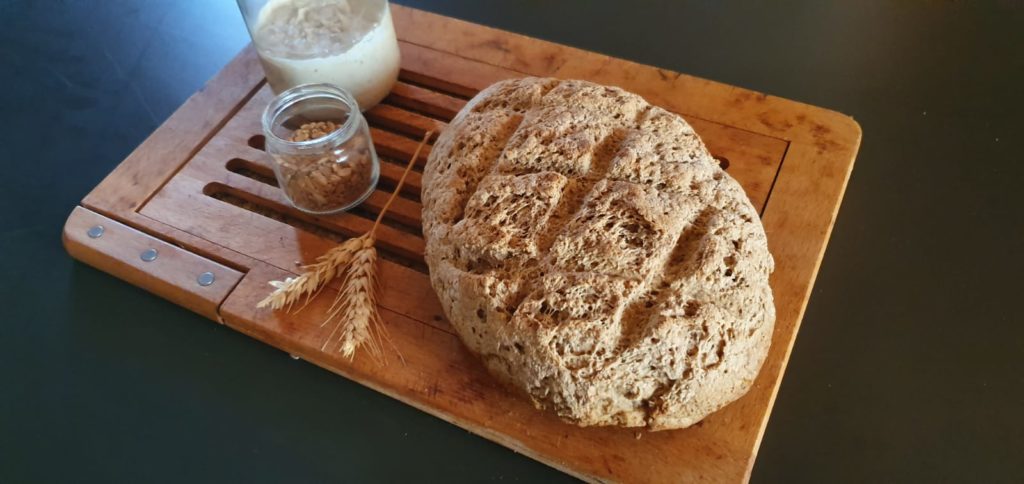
321,149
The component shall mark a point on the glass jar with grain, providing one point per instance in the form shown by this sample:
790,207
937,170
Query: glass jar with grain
321,149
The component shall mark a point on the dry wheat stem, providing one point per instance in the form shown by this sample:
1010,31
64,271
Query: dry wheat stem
354,311
401,181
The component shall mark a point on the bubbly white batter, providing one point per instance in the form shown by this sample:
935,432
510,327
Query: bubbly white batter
348,43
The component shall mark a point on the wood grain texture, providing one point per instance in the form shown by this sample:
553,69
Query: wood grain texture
202,182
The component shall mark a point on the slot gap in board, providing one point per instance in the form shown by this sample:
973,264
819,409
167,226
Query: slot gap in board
410,107
437,85
408,192
252,171
232,196
258,141
409,134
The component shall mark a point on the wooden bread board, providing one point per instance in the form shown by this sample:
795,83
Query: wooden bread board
200,191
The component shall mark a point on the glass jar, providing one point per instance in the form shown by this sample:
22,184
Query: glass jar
348,43
320,170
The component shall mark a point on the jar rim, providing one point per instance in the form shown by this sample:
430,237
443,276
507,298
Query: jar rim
305,92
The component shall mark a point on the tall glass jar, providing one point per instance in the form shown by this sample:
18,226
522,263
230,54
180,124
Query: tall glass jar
321,149
348,43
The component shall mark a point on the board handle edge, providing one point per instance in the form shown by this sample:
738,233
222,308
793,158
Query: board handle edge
164,269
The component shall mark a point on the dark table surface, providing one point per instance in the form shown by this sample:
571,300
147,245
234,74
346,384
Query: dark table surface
907,366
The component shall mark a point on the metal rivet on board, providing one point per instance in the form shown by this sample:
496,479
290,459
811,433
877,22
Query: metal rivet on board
95,232
148,255
205,279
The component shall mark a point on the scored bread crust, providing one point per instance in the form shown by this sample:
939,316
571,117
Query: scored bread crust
590,250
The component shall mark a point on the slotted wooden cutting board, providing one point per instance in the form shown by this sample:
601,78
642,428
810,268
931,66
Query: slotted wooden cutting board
200,191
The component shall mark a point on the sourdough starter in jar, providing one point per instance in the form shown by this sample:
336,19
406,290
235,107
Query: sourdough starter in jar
348,43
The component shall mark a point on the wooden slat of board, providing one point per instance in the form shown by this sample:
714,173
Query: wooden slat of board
402,121
433,69
423,100
398,147
392,172
247,123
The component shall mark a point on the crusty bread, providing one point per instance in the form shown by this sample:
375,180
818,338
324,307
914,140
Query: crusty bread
590,250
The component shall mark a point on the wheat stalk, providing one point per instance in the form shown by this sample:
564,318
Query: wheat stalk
290,290
354,311
355,306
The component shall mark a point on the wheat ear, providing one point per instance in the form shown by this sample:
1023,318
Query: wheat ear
354,310
290,290
357,300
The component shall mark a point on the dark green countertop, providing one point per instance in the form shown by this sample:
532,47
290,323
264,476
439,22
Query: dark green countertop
907,366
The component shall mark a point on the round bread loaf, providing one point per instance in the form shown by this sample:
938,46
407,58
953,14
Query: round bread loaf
590,250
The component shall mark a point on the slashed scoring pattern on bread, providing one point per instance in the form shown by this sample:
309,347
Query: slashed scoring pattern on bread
589,249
